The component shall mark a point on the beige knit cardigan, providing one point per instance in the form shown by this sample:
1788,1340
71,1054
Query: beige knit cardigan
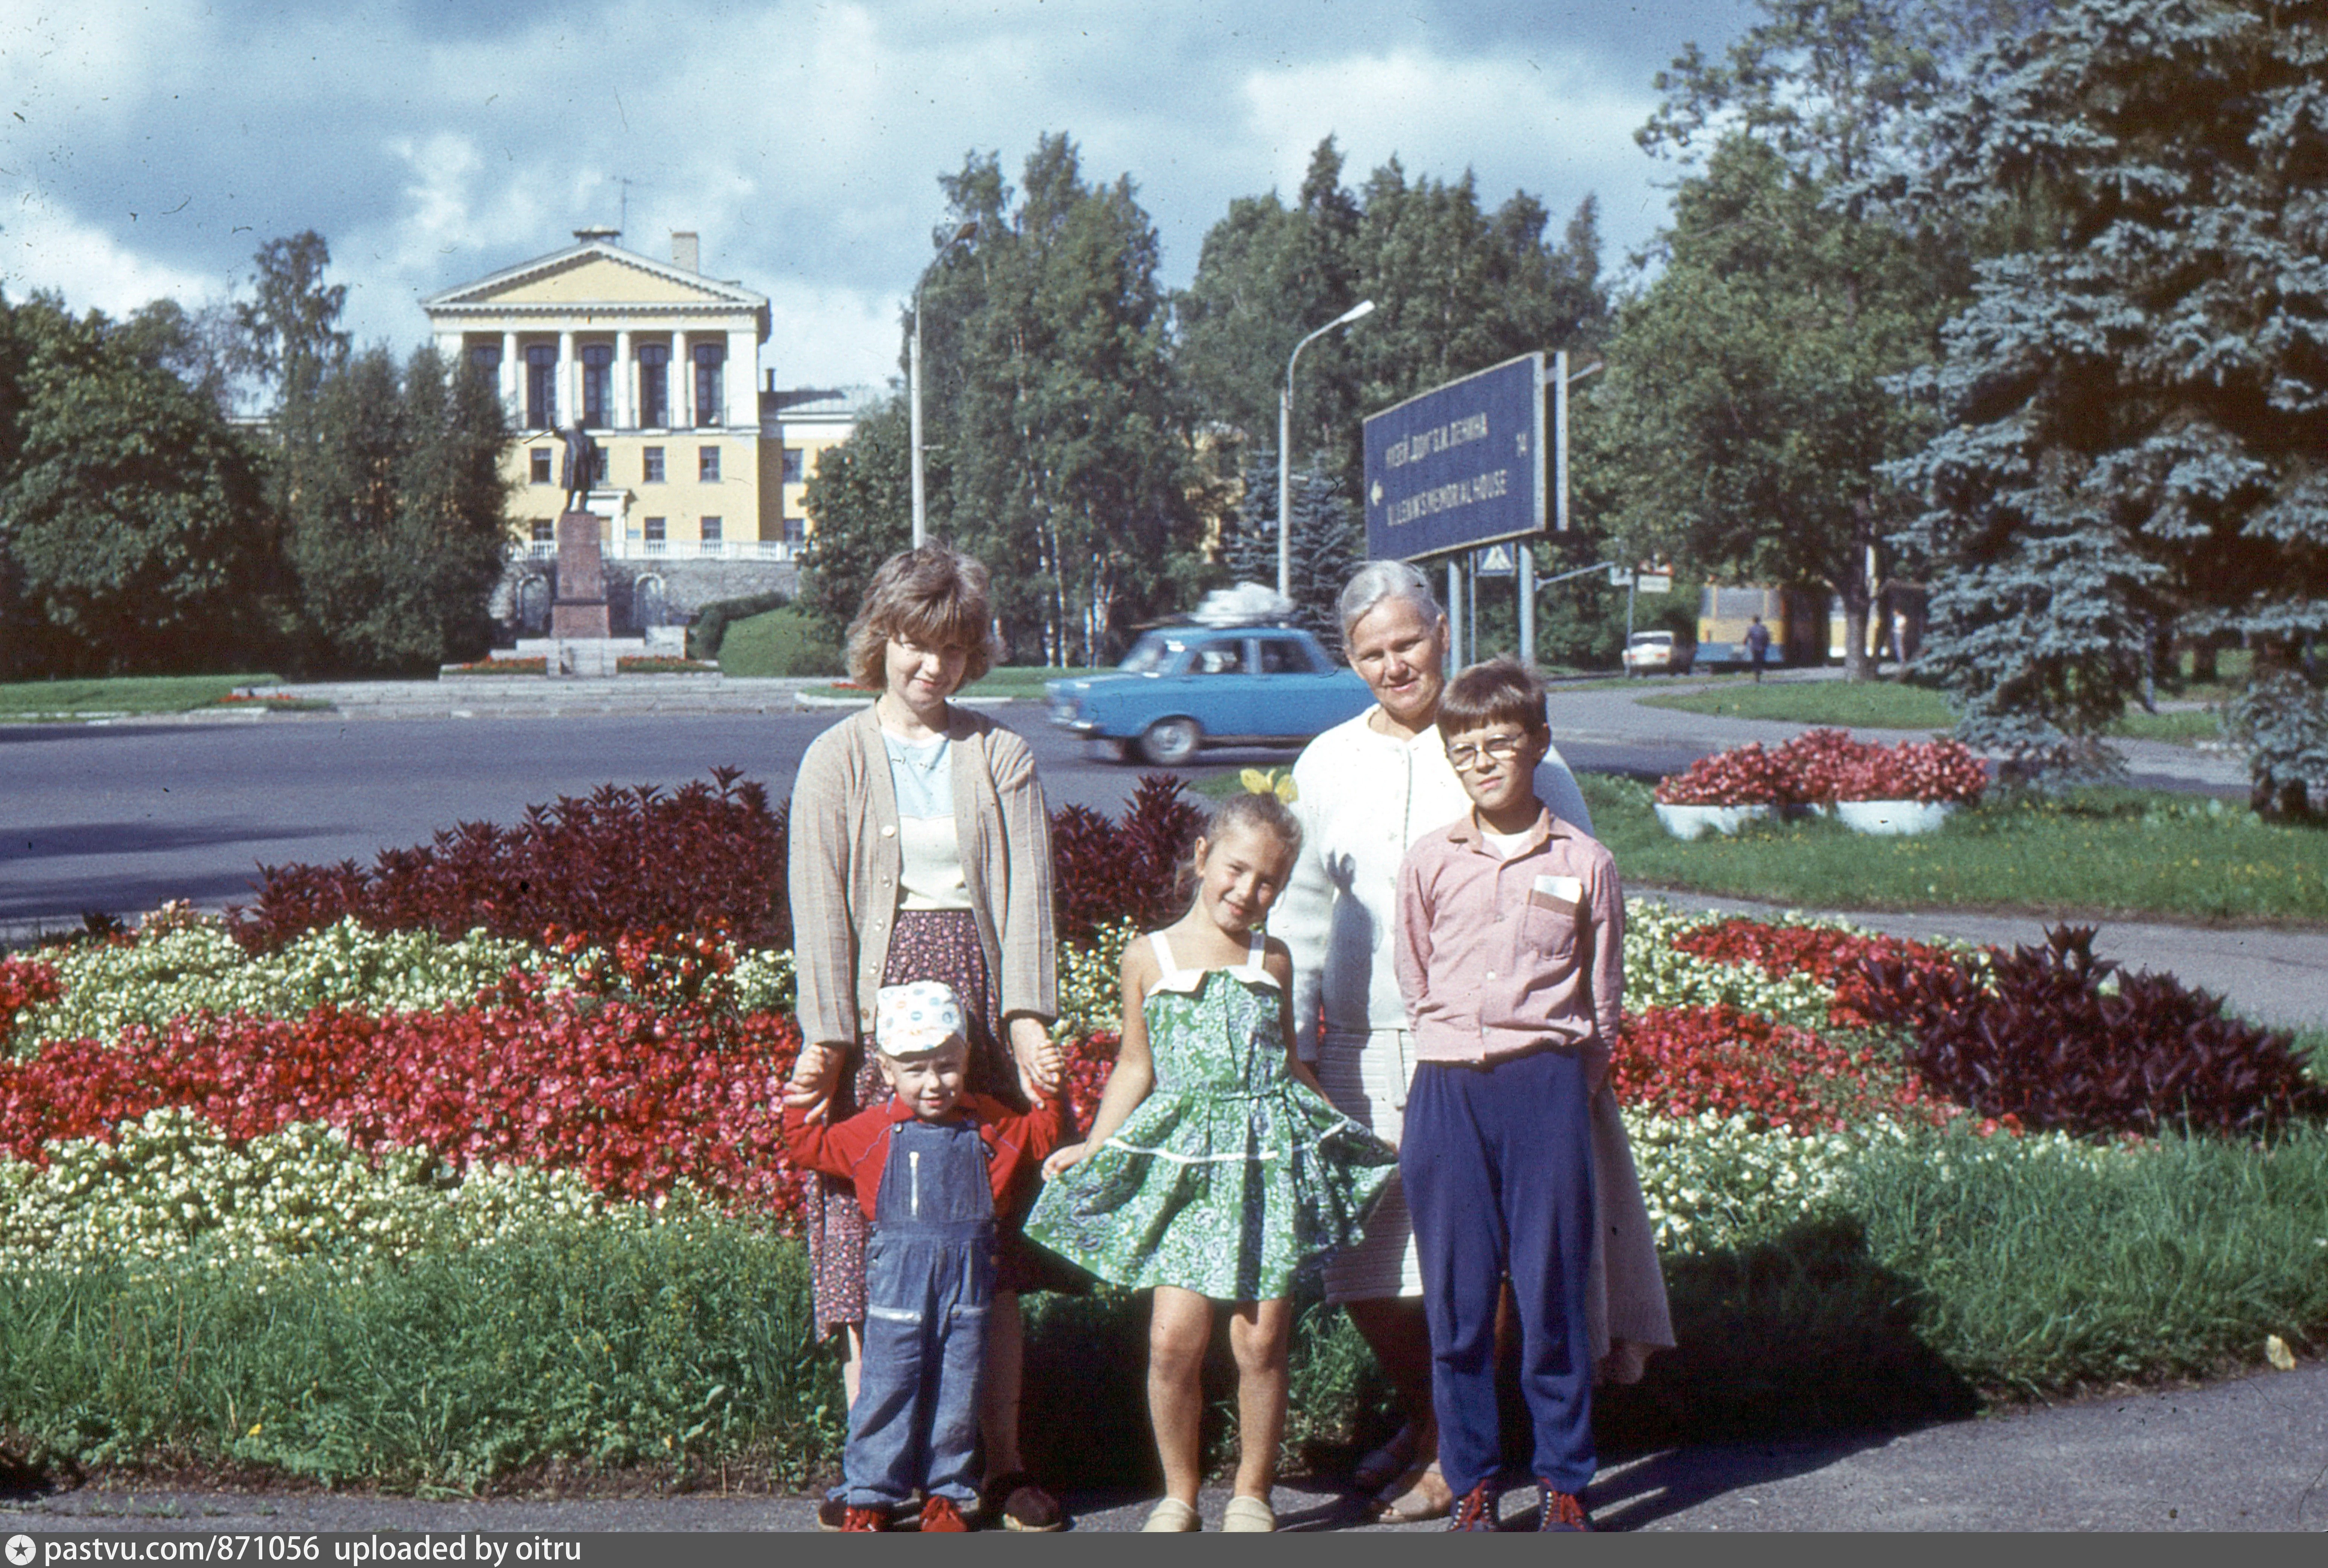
846,866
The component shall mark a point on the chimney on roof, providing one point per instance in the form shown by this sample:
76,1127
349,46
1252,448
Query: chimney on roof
687,249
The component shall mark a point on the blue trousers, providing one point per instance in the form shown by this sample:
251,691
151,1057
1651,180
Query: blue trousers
1498,1166
929,1279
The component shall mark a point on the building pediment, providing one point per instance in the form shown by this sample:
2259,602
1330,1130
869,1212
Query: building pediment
593,276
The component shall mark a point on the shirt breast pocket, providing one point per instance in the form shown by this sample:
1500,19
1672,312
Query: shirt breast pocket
1555,908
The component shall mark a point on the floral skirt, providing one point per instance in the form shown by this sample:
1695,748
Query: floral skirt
938,944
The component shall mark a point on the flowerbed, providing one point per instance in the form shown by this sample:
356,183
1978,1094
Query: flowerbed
1822,766
408,1073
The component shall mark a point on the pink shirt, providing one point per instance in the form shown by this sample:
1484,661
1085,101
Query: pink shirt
1499,957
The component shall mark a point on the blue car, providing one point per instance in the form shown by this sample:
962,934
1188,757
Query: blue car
1182,688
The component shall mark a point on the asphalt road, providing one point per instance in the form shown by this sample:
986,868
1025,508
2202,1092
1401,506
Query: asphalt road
122,817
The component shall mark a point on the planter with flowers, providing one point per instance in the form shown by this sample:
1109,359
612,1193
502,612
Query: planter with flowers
1723,793
1909,788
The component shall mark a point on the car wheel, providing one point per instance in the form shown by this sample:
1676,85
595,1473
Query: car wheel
1170,742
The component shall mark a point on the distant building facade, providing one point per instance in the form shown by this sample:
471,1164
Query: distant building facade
703,467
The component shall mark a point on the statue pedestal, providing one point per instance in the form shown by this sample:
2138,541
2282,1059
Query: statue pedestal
579,609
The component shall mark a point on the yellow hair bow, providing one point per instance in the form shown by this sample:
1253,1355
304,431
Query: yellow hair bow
1270,782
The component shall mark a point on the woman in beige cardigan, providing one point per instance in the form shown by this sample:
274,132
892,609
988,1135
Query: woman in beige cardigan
921,849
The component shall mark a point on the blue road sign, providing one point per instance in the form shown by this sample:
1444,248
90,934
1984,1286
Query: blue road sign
1459,466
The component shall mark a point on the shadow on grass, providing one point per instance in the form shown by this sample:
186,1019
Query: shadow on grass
1794,1352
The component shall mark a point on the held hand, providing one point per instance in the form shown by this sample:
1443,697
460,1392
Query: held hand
1039,1059
1063,1160
816,1076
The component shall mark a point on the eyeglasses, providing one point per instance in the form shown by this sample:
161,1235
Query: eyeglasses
1495,748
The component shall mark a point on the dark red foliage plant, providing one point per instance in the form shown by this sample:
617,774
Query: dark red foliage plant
707,859
1127,869
2045,1036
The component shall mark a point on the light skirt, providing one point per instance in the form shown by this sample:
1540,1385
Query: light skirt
1364,1077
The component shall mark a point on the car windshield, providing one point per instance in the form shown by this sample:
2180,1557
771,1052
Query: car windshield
1153,653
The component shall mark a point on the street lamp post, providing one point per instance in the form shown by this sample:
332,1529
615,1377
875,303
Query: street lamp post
1365,307
913,383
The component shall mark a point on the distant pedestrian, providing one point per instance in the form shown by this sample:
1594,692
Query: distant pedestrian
929,1169
1758,645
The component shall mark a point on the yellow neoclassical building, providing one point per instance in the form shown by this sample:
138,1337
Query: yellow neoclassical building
663,363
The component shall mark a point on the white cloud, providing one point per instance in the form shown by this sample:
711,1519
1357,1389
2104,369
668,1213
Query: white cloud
44,248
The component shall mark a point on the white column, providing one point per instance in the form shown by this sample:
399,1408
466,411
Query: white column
569,381
512,379
682,384
625,406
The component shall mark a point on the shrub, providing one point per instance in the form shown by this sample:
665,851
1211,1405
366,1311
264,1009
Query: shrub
1127,869
703,859
2057,1038
709,629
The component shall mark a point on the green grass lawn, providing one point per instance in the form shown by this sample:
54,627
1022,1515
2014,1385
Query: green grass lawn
1890,705
2102,852
130,694
1854,704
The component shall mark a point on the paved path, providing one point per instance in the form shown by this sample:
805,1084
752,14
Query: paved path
2249,1454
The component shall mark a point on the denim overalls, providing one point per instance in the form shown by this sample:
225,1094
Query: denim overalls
929,1277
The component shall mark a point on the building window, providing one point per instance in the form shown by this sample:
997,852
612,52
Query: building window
796,531
654,465
793,466
707,464
654,530
544,530
709,532
540,460
542,387
597,386
487,358
654,386
710,396
601,461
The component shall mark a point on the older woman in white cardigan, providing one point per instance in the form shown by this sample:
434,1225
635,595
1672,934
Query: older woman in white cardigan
1367,790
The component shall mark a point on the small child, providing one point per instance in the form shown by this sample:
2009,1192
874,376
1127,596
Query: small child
1214,1169
1511,957
929,1167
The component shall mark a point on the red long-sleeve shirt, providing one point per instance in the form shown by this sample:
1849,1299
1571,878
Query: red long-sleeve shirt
857,1151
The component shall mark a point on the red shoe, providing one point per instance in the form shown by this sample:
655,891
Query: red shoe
943,1515
866,1519
1558,1510
1475,1510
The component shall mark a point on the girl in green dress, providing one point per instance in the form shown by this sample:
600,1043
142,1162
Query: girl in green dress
1216,1170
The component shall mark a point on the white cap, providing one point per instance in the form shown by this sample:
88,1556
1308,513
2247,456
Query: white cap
911,1020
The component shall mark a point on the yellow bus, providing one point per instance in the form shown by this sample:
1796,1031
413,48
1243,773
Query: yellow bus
1807,626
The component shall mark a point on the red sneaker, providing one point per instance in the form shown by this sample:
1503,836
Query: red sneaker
1557,1510
943,1515
1475,1509
864,1519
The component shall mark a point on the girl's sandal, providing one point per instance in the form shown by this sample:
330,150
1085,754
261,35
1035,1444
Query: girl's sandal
1249,1516
1416,1498
1171,1516
1385,1464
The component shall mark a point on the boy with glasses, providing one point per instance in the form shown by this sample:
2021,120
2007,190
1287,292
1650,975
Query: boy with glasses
1510,955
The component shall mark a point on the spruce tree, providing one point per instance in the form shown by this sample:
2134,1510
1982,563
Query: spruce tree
1327,544
2131,413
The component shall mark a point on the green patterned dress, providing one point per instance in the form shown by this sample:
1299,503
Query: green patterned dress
1232,1178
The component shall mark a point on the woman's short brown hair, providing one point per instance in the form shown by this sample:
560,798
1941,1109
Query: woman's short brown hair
1498,691
934,596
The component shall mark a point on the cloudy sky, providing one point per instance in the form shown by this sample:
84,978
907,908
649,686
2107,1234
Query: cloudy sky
148,147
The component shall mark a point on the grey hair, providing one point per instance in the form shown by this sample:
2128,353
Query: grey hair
1385,579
